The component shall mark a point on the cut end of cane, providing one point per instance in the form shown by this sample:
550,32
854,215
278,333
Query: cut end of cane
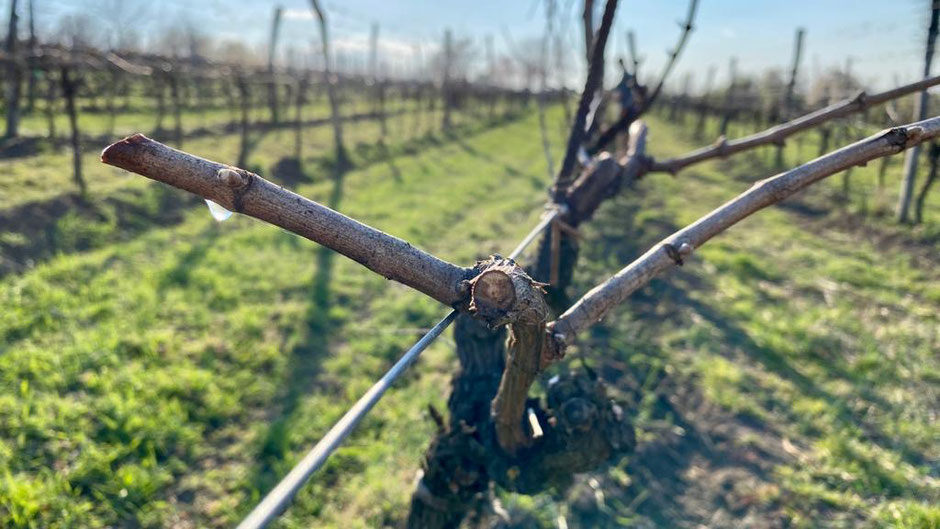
112,152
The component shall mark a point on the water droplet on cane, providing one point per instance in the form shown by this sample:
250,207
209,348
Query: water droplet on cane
218,212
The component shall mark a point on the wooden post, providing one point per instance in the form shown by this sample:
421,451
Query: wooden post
13,77
728,111
159,82
677,108
69,89
491,65
704,101
52,90
112,96
934,157
299,121
920,112
587,20
31,62
446,95
374,59
825,133
787,103
244,100
378,86
272,54
335,117
177,108
847,174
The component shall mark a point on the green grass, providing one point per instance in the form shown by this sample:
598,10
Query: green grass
137,113
171,378
48,174
801,329
181,373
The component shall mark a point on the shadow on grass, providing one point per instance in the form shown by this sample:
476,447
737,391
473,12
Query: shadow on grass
68,223
660,487
473,151
179,275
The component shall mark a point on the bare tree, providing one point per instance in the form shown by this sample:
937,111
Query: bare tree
570,435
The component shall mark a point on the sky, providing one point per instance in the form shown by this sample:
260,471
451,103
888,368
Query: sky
883,40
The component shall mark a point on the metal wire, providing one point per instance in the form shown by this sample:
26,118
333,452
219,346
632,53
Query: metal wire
277,499
536,231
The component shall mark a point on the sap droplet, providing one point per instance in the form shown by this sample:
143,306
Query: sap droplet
583,157
218,212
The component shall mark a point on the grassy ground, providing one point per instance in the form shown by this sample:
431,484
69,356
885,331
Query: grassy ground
171,378
46,171
787,375
138,113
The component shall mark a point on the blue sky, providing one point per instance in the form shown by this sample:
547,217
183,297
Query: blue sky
884,39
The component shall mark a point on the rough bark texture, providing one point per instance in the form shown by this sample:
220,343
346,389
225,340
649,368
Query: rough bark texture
504,294
487,439
582,428
454,479
247,193
558,248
